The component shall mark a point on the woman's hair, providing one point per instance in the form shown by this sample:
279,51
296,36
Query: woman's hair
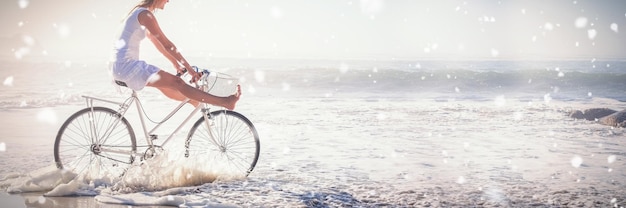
142,3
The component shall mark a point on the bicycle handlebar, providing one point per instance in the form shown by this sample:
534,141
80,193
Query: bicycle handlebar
203,72
181,74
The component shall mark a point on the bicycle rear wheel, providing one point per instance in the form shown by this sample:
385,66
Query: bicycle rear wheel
231,146
95,142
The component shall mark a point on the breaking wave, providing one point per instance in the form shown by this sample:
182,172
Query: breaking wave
568,80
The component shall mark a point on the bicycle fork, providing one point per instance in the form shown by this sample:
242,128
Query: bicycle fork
208,123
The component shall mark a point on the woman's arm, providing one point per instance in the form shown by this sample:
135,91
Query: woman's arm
160,47
162,43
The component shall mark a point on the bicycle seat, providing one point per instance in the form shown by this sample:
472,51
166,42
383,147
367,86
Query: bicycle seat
120,83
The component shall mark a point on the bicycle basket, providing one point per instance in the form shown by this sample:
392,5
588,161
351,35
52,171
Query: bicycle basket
220,84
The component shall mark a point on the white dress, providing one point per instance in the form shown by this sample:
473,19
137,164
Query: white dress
125,65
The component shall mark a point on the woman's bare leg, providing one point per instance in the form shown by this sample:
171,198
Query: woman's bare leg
175,95
169,81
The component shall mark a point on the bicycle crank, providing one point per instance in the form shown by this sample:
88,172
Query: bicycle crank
152,152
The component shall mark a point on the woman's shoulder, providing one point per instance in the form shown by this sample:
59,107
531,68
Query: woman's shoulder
141,10
145,17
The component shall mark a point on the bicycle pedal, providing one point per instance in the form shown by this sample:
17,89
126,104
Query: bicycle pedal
154,136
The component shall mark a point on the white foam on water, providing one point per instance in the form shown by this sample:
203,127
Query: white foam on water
43,179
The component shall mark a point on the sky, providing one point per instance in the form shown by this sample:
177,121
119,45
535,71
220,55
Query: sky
327,29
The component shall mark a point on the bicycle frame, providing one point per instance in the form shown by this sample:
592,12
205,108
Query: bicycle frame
123,108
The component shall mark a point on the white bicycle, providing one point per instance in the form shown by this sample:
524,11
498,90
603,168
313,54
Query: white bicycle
100,141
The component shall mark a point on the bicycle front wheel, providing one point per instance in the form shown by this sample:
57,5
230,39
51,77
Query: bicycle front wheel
95,142
228,142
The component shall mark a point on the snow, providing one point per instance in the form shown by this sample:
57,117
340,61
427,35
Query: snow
576,161
276,12
581,22
63,29
372,7
47,115
8,81
614,27
494,52
591,33
22,4
611,159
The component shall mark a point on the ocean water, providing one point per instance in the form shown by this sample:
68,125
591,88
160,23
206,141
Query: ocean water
46,84
337,133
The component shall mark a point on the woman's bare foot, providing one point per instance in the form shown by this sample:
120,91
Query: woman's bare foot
231,101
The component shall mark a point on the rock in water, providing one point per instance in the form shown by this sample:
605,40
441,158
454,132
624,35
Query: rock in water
592,114
617,119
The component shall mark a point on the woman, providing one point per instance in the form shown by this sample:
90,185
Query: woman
136,74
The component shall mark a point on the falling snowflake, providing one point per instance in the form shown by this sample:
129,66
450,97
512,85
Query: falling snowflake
547,98
251,89
548,26
286,86
576,161
581,22
343,68
460,180
381,116
611,159
47,115
591,33
28,40
494,52
62,29
372,6
500,101
22,4
614,27
21,52
276,12
8,81
259,76
119,44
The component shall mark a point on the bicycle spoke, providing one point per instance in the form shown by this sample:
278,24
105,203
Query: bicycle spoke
230,141
76,148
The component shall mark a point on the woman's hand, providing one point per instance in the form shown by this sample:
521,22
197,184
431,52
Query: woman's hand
195,76
179,69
